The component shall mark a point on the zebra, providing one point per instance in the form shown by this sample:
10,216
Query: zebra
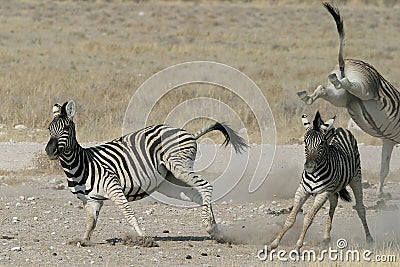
332,163
371,101
157,158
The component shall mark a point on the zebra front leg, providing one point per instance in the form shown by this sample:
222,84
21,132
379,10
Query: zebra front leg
387,148
300,197
356,186
309,99
333,200
117,196
92,208
320,199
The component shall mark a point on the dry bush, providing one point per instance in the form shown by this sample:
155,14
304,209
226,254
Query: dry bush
41,164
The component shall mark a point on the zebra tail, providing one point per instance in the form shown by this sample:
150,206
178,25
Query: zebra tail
231,136
344,195
334,11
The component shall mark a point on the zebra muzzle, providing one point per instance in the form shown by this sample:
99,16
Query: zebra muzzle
51,149
310,165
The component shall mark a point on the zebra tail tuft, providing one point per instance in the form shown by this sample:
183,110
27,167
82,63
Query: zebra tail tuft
334,11
231,136
345,195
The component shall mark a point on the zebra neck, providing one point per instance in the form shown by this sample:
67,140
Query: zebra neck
72,162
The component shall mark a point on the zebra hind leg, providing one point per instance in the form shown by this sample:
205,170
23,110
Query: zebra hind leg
387,148
201,195
356,186
333,200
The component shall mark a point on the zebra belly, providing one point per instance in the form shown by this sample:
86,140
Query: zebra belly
373,120
134,189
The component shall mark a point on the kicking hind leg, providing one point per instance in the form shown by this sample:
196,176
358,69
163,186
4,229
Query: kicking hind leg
194,189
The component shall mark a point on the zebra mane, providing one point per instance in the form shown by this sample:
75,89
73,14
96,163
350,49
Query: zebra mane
334,11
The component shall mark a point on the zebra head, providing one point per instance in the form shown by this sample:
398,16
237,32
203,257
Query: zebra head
62,130
316,141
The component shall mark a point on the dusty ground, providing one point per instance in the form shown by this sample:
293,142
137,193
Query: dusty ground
39,217
100,52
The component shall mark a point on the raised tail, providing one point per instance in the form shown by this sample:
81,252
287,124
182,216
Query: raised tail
230,136
344,195
334,11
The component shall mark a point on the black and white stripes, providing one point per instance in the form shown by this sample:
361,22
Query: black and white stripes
332,163
133,166
371,101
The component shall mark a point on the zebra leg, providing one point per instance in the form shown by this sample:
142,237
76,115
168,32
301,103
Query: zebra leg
115,193
333,200
175,188
356,186
92,208
387,148
320,199
202,197
309,99
362,91
300,197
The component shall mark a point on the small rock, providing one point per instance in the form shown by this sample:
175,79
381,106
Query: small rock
149,211
16,249
188,257
165,231
20,127
273,202
204,254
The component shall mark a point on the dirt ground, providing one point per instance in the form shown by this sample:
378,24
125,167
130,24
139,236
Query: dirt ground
40,218
99,52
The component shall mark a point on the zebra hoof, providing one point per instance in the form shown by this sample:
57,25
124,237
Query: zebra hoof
81,242
273,245
370,240
334,80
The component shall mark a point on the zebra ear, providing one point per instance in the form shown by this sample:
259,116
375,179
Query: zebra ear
317,121
326,126
56,109
70,109
305,121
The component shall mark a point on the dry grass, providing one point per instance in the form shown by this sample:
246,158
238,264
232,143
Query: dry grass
98,53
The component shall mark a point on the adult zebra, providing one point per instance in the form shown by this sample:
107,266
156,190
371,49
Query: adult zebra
332,163
372,102
133,166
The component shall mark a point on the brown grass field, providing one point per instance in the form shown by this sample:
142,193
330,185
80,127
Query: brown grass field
99,53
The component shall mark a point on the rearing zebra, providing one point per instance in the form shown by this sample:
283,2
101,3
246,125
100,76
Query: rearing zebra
372,102
156,158
332,163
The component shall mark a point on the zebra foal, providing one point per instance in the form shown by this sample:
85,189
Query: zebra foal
332,163
157,158
371,101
